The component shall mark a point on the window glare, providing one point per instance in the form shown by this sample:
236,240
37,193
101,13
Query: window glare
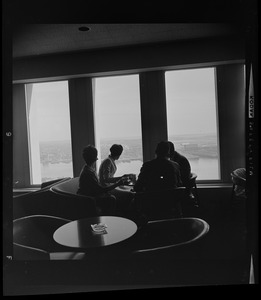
192,119
49,131
118,120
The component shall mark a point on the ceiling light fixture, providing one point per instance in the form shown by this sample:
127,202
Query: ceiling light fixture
84,28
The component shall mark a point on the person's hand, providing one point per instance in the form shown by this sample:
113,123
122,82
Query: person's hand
125,179
121,181
131,178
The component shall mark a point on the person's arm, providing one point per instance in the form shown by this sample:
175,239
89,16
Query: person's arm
187,169
106,174
108,188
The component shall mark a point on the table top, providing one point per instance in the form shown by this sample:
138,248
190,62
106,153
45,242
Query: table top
127,188
80,234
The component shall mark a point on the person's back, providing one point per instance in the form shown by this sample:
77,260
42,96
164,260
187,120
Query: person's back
88,182
159,173
185,169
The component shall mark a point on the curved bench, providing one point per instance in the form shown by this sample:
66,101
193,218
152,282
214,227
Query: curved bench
60,200
67,192
33,239
166,234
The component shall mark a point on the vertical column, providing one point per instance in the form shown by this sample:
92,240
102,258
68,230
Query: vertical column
231,116
153,111
82,119
21,165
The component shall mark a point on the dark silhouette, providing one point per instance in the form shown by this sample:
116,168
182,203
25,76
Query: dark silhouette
89,184
185,168
159,173
107,170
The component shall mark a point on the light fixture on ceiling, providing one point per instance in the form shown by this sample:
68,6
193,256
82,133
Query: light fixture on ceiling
84,28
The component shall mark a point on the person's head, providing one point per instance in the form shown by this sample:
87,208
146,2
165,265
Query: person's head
171,149
89,154
116,150
162,149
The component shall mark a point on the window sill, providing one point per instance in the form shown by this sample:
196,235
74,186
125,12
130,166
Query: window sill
213,185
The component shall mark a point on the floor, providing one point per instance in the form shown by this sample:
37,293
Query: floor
220,258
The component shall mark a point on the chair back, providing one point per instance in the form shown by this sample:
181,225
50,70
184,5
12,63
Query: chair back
68,187
83,206
37,231
21,252
161,204
33,239
193,178
59,199
162,236
48,184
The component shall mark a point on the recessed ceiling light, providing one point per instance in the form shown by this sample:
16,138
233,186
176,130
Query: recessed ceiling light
84,28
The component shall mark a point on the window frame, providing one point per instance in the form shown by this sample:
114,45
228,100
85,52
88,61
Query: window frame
152,91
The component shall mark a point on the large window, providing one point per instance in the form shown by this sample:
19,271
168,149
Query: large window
192,119
49,131
118,120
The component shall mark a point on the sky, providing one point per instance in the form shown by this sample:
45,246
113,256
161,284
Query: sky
190,105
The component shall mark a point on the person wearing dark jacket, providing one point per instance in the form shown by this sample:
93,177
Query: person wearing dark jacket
185,168
159,173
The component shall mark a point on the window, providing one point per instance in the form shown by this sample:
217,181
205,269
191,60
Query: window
118,121
49,131
192,119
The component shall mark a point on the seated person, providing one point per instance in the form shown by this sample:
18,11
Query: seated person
185,169
239,181
108,167
158,176
159,173
89,184
107,170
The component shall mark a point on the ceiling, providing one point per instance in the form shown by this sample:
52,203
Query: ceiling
44,39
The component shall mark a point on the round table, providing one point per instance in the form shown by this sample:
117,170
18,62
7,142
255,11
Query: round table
79,233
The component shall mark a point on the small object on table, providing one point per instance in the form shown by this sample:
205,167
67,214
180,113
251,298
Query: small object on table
99,228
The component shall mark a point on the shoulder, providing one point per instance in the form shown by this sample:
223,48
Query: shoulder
180,157
147,165
106,161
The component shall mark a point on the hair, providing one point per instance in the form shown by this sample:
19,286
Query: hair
163,149
171,149
89,154
116,150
